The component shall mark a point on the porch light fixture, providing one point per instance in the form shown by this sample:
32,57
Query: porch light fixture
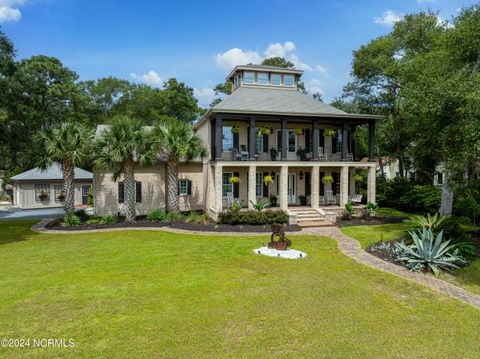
301,175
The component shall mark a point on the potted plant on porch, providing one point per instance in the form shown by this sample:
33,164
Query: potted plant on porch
329,132
302,154
327,179
234,179
273,153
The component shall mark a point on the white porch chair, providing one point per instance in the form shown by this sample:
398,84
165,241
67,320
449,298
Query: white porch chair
356,198
230,199
350,156
330,198
321,154
244,152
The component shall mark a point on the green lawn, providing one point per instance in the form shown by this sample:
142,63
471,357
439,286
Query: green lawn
384,211
153,294
367,235
468,278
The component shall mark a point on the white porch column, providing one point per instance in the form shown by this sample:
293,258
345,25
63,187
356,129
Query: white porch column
283,187
352,181
371,184
252,185
315,183
218,188
343,186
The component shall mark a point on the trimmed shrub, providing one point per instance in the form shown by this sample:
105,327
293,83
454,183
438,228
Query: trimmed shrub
253,217
157,215
71,220
197,217
108,219
82,214
421,199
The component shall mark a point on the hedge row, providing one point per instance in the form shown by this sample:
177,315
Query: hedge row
253,217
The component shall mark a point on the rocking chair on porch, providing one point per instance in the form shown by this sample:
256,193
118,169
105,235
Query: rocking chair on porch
330,198
321,154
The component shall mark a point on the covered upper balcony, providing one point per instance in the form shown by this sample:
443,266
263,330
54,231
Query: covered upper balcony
267,118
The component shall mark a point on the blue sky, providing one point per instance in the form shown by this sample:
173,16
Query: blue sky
198,42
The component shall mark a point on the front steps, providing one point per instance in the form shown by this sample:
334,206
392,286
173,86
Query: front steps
308,217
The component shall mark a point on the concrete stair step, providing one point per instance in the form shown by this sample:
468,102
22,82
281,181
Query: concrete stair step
310,218
312,224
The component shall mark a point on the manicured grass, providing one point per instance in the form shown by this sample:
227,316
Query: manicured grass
367,235
393,212
468,277
153,294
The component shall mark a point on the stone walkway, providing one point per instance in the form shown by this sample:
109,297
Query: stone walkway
349,246
352,249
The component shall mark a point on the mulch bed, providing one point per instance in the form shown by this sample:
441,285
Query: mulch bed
194,227
384,253
368,221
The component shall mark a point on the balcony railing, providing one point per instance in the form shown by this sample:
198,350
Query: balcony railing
294,153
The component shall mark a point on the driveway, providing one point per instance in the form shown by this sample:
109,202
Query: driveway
13,213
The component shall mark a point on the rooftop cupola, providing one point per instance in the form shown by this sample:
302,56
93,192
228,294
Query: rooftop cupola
264,76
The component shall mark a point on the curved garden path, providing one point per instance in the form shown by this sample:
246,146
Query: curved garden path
348,246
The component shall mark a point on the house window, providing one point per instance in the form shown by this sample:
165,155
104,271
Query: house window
59,193
249,77
227,139
259,186
276,79
288,80
138,192
227,186
184,187
258,141
262,78
440,178
42,192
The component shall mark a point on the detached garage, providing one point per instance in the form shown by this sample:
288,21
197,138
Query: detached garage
37,188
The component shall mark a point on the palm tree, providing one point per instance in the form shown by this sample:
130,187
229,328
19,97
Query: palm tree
69,143
178,141
122,147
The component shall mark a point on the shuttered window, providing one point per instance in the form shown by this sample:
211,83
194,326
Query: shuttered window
138,192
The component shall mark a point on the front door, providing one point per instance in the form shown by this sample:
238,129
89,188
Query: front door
85,192
292,185
292,145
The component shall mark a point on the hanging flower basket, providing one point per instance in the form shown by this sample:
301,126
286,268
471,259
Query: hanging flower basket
236,129
264,131
298,131
327,179
43,195
330,132
358,178
61,197
234,180
267,180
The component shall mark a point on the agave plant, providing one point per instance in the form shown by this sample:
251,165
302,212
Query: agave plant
260,205
429,251
429,221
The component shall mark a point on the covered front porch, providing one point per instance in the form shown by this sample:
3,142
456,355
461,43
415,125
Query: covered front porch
293,184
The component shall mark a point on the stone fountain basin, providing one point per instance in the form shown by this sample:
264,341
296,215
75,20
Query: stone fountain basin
289,253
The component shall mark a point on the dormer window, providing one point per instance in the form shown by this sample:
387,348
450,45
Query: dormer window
249,77
276,79
288,80
262,78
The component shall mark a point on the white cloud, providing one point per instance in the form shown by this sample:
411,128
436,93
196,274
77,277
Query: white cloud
314,85
9,14
388,18
233,57
206,93
279,50
321,70
150,78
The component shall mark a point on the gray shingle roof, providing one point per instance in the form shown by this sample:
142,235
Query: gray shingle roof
274,101
53,172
